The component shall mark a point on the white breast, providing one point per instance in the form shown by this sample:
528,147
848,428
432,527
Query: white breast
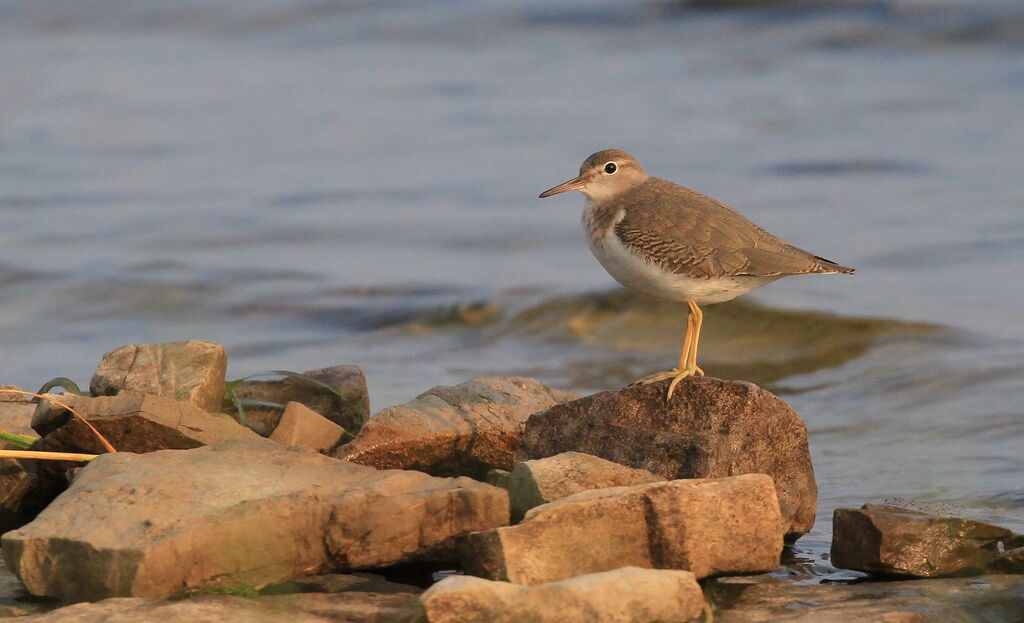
634,272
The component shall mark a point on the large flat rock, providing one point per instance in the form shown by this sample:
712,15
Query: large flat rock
192,371
713,526
990,598
244,512
889,540
465,429
710,428
625,595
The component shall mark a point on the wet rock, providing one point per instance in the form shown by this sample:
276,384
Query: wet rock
991,598
711,428
302,426
348,411
532,483
625,595
1010,561
191,371
465,429
349,607
896,541
243,512
713,526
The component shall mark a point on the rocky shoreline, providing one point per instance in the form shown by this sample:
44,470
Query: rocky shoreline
617,506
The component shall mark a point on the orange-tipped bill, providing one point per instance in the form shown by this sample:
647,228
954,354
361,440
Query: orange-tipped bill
575,183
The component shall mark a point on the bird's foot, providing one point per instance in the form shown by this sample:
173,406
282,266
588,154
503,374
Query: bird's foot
675,374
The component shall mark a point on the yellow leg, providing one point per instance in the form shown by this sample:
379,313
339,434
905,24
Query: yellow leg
698,320
687,355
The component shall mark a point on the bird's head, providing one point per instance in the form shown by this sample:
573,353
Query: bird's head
604,175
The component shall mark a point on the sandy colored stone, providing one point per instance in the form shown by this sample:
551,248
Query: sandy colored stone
242,512
709,526
711,428
990,598
191,371
349,411
896,541
16,482
624,595
349,607
536,482
464,429
302,426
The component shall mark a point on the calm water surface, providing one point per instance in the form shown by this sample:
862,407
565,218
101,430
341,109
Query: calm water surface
314,183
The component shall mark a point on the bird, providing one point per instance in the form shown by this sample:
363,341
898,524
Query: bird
669,242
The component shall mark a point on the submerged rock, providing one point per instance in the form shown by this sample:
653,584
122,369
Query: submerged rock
532,483
711,428
992,599
896,541
625,595
302,426
191,371
464,429
347,411
713,526
243,512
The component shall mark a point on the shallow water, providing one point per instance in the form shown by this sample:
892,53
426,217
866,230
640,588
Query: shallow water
314,183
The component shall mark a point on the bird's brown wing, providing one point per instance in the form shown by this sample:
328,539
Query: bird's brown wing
692,234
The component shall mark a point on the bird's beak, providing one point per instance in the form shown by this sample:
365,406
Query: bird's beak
575,183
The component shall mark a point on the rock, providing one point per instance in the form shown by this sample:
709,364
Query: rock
1010,561
130,421
532,483
711,428
17,483
896,541
339,583
465,429
191,371
302,426
714,526
242,512
15,412
349,411
349,607
625,595
991,598
498,478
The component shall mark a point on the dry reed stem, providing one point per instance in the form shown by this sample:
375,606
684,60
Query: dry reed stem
103,440
49,456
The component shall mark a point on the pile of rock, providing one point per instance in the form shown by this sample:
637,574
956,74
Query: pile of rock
609,507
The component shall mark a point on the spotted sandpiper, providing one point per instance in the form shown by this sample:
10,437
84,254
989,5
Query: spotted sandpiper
670,242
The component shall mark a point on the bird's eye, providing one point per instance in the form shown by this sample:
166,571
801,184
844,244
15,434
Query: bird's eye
610,168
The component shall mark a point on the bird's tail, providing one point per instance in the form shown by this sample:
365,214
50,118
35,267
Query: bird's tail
828,266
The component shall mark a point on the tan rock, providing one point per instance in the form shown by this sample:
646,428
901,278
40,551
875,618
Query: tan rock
191,371
242,512
532,483
896,541
302,426
624,595
16,482
465,429
990,598
349,411
349,607
713,526
711,428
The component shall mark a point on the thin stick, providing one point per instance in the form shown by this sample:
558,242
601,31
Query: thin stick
103,440
51,456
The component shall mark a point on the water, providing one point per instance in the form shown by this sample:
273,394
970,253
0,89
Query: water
315,183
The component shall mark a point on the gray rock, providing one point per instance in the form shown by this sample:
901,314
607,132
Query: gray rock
711,428
191,371
465,429
243,512
896,541
625,595
348,412
991,598
302,426
532,483
714,526
349,607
